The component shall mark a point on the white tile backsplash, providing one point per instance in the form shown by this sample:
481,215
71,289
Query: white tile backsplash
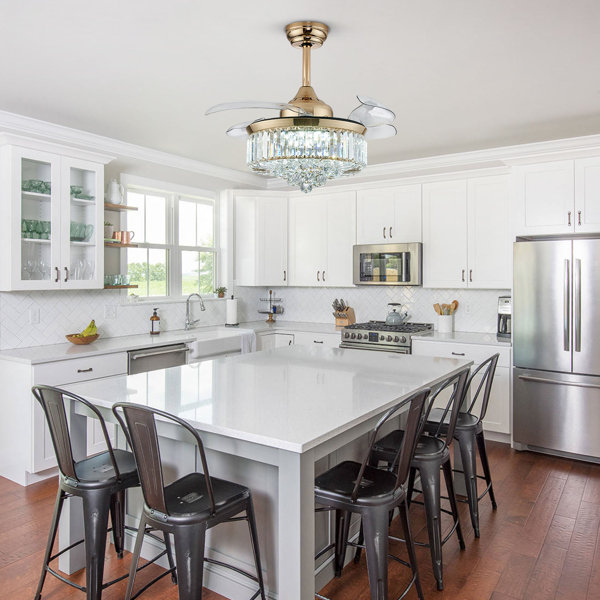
62,312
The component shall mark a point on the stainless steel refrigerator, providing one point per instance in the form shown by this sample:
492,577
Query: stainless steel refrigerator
556,346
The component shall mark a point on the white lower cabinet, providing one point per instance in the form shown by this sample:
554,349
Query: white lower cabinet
497,418
331,340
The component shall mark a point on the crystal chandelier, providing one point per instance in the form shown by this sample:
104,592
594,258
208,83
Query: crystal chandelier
306,145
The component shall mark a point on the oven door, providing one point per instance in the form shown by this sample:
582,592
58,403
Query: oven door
388,264
377,347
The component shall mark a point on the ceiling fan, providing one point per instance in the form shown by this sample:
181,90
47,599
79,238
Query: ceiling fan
306,145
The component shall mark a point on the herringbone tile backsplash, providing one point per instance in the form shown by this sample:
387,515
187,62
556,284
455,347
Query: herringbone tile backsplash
63,312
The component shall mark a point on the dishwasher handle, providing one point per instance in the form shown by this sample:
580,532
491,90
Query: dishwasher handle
170,350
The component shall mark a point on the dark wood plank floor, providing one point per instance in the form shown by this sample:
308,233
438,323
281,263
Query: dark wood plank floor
542,543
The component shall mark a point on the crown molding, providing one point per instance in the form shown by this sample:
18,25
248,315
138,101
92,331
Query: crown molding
563,149
22,125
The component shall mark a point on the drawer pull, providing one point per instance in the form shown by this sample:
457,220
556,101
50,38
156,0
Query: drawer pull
317,341
458,354
85,370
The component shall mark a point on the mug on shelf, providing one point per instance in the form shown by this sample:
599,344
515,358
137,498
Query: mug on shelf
124,237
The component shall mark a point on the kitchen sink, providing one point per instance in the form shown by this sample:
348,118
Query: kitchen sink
215,342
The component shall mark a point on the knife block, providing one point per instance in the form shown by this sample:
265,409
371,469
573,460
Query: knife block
344,318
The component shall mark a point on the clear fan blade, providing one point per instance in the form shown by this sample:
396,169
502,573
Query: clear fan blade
239,130
371,113
253,104
380,132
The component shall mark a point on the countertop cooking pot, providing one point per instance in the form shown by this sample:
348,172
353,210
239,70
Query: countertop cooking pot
395,317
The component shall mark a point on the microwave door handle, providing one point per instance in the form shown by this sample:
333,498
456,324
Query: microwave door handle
567,306
577,303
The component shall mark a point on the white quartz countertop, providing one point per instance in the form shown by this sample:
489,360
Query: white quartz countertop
292,398
464,337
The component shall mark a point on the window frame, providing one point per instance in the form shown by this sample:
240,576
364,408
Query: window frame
173,194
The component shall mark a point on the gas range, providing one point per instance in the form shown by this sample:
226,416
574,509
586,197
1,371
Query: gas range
376,335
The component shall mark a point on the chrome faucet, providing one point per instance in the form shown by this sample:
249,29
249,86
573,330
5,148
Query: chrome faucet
188,322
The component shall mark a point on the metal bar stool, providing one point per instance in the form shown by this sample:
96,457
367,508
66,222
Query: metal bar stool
100,481
186,508
352,487
469,434
430,456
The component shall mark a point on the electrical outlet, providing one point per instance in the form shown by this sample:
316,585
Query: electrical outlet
467,308
110,311
34,315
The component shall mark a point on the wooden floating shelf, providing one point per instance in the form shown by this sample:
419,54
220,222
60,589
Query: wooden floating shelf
119,287
119,245
118,207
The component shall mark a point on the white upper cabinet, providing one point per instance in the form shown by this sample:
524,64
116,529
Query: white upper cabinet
389,215
587,195
466,234
322,233
445,234
544,196
489,233
52,220
261,239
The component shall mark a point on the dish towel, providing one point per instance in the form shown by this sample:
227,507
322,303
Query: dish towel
247,341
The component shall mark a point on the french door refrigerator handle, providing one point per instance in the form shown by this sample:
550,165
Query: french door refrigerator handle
577,303
558,382
567,307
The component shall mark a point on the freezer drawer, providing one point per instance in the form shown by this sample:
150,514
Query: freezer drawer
557,411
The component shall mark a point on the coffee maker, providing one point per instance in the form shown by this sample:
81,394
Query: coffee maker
504,317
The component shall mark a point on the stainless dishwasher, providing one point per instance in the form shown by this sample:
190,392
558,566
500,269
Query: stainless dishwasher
156,357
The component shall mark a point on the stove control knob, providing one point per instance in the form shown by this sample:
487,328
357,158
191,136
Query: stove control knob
359,336
353,336
396,339
382,338
389,338
403,339
346,335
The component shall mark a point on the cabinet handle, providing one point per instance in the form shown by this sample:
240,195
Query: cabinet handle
284,275
384,233
463,274
66,273
289,342
57,275
318,276
569,215
390,232
85,370
323,275
471,275
317,341
578,217
458,354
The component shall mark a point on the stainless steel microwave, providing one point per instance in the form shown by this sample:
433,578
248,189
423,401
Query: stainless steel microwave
388,264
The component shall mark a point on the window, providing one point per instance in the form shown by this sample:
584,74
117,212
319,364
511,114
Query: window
175,232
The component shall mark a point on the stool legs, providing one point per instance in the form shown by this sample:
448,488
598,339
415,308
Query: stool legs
96,506
189,555
375,523
255,547
486,467
117,516
467,445
342,529
410,547
447,469
60,498
135,559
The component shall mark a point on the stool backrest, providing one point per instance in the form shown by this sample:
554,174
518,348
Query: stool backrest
412,432
52,400
458,382
139,424
488,367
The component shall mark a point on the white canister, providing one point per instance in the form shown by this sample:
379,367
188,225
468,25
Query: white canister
445,323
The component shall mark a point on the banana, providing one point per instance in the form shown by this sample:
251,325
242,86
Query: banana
91,329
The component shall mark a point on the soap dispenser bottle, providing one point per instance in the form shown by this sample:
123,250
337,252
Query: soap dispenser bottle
155,323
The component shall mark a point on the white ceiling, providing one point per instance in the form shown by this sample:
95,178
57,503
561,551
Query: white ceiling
460,75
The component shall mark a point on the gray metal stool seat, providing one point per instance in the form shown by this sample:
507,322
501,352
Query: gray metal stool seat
431,455
100,481
469,434
352,487
186,508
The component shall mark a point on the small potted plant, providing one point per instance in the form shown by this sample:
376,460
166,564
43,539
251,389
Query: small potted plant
220,292
108,230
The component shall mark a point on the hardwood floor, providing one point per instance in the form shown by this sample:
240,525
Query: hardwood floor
542,543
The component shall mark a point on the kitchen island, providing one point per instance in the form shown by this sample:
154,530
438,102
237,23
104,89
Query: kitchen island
268,420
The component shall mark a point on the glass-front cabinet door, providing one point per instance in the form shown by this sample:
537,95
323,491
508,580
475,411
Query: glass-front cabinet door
35,252
82,247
